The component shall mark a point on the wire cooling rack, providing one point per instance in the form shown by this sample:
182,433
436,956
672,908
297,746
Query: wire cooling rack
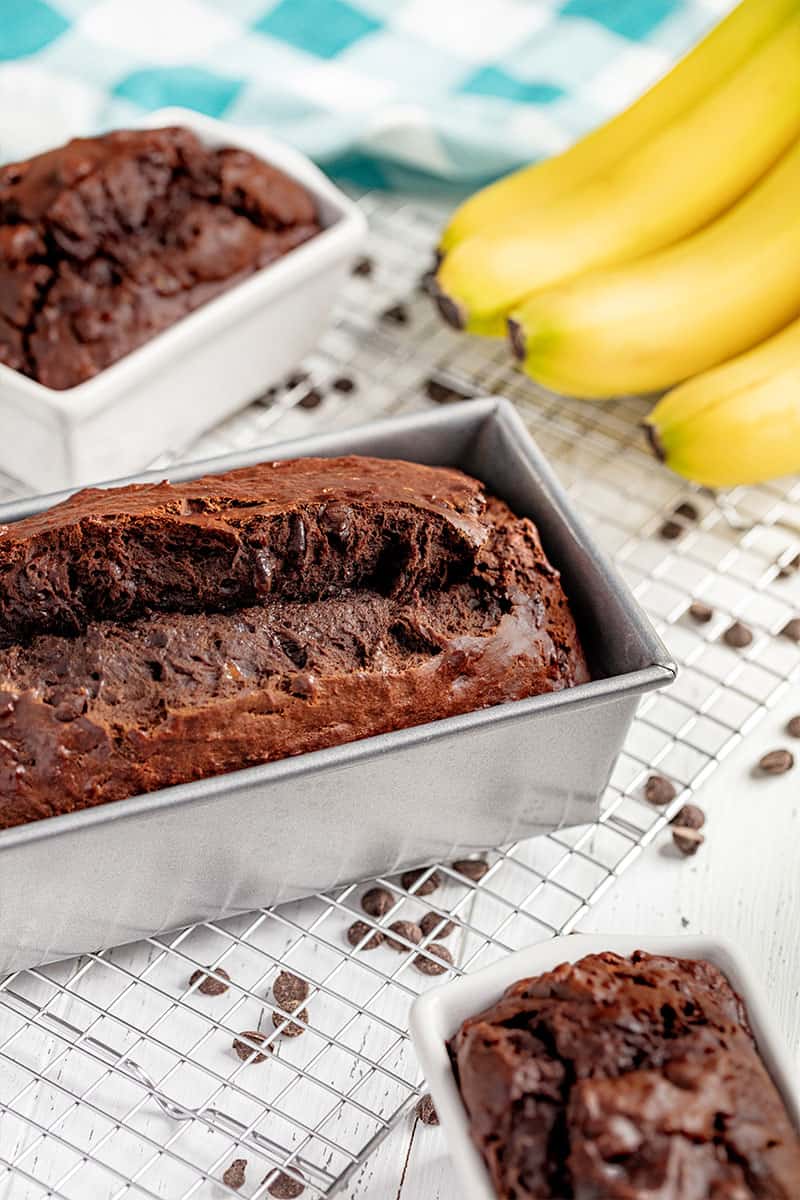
117,1075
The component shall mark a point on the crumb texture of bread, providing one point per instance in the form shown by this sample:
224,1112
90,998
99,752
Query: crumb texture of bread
159,634
106,241
625,1079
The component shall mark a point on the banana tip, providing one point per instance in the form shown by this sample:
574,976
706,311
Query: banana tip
654,441
516,336
452,312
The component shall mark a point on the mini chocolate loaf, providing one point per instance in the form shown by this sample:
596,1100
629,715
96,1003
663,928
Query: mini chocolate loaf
625,1079
159,634
106,241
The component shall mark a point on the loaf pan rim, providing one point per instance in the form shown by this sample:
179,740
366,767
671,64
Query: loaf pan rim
470,414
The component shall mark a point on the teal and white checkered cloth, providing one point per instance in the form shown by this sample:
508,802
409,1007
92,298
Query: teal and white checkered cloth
456,89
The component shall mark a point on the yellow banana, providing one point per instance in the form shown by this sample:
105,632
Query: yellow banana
739,423
651,323
532,187
663,191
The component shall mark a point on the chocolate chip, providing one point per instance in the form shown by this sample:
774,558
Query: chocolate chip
363,267
433,923
471,868
659,791
670,530
289,991
405,929
291,1030
443,393
285,1187
211,986
344,384
359,930
687,840
792,629
430,884
738,635
425,1110
248,1053
233,1176
686,510
295,379
793,727
312,399
396,314
700,612
691,816
776,762
377,901
428,967
427,282
337,519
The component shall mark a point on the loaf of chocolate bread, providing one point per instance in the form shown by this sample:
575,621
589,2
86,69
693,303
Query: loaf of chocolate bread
625,1079
159,634
108,240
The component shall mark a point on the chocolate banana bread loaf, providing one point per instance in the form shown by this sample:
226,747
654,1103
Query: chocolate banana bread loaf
108,240
625,1079
162,633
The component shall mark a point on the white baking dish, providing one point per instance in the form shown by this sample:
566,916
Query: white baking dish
186,379
438,1014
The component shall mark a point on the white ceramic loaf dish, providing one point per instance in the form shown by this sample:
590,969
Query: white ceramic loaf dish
200,370
438,1014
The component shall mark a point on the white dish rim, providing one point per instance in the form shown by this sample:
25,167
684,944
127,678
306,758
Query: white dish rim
437,1014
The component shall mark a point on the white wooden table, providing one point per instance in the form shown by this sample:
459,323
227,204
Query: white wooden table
744,884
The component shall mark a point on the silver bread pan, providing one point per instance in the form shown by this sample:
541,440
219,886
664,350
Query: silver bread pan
275,832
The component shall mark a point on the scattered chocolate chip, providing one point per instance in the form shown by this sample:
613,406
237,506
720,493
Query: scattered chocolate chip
292,1029
792,629
427,282
233,1176
443,393
295,379
691,815
659,790
687,840
471,868
700,612
425,1110
285,1187
670,530
433,923
377,901
248,1053
312,399
427,967
793,727
686,510
344,384
211,985
738,635
776,762
363,266
405,929
430,885
396,314
289,991
359,930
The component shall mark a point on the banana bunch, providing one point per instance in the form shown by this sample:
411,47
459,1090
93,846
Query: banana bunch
661,245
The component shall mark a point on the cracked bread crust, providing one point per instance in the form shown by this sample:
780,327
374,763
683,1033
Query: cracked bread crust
129,706
625,1079
106,241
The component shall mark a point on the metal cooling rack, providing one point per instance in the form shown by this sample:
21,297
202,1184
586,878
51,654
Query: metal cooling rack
118,1079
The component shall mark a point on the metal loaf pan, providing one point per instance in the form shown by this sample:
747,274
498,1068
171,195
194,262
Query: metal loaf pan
275,832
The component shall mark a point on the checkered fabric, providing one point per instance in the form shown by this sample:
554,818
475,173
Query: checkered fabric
455,89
